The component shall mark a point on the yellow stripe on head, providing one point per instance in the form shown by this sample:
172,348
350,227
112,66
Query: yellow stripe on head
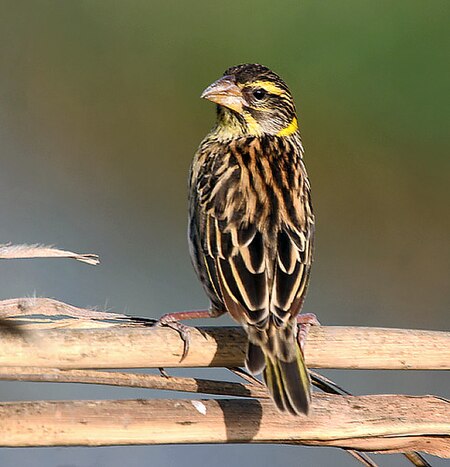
270,87
290,129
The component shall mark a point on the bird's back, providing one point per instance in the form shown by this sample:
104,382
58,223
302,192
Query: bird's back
251,234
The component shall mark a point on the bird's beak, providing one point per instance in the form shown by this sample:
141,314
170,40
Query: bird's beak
225,92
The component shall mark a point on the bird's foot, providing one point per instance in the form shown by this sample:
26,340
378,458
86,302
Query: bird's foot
172,320
304,322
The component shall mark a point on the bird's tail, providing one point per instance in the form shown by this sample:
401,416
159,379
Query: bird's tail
284,372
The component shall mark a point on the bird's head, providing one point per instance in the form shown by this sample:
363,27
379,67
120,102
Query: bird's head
252,100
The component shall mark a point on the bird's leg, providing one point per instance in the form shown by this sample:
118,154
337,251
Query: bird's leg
172,320
304,321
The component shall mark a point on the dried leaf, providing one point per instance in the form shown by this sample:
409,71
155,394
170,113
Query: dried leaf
9,251
21,307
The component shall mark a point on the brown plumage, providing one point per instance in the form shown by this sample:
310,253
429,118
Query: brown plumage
251,225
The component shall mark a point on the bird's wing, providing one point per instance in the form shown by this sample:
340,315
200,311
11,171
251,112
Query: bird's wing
236,259
257,278
291,271
254,283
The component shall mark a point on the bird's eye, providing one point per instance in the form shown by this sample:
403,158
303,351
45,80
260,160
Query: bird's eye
259,93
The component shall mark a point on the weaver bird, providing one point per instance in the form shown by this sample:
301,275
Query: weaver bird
251,225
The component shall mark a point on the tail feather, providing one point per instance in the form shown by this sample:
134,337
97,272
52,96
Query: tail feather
255,361
272,379
288,382
296,385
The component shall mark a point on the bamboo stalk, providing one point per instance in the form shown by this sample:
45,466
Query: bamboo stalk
134,380
382,423
90,339
137,346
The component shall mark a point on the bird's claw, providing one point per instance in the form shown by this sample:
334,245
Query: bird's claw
304,321
183,330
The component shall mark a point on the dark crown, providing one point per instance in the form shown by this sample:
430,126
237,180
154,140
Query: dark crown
249,72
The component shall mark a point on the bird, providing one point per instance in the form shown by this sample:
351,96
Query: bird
251,224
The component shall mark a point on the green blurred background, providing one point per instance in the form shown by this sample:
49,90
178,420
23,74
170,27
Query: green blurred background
100,116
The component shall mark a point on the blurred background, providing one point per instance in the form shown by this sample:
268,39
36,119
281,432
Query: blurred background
100,116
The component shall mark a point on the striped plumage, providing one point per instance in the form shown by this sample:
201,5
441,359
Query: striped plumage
251,224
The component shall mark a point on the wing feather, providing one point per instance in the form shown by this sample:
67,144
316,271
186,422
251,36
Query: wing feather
291,272
241,272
